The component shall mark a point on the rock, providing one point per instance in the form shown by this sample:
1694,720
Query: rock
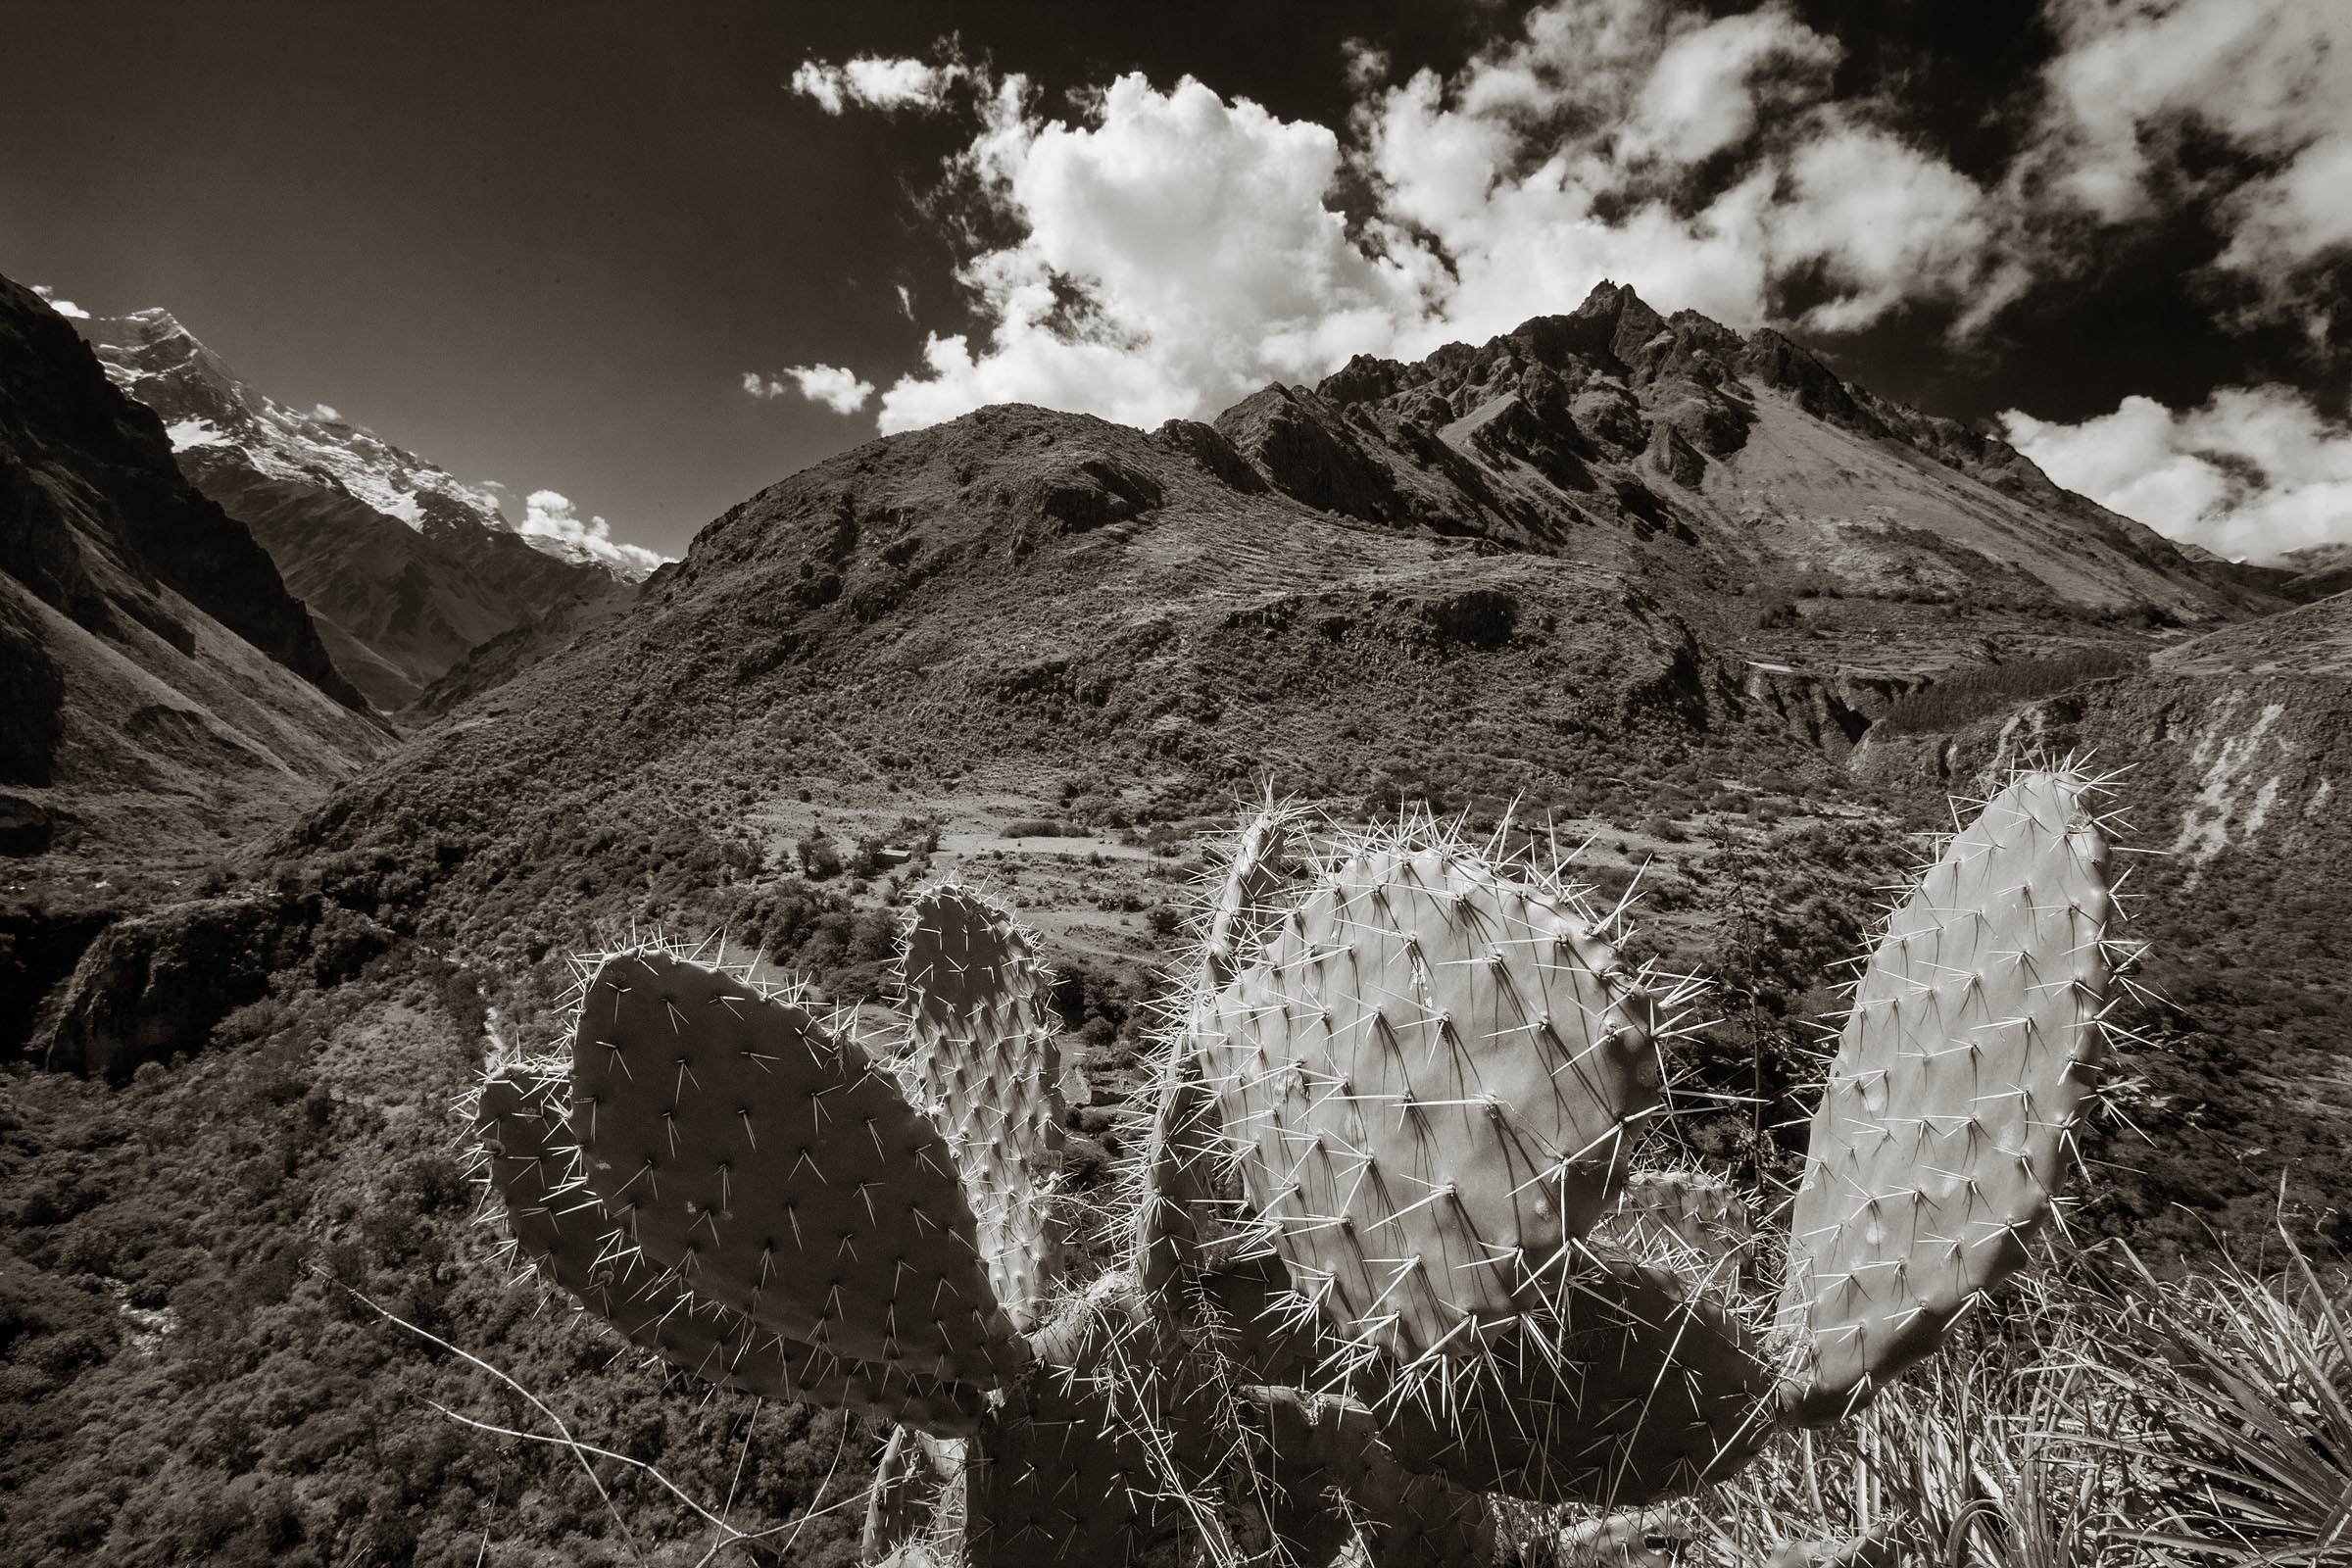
1308,453
1206,446
156,984
26,825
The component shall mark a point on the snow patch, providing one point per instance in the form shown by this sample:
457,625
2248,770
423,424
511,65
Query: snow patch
194,433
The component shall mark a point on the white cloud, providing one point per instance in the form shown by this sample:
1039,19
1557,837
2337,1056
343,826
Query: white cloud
872,82
2253,472
326,411
1890,222
1179,249
841,390
1703,90
60,307
1177,253
551,515
2270,78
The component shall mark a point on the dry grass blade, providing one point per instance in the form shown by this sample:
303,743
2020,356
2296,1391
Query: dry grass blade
2243,1390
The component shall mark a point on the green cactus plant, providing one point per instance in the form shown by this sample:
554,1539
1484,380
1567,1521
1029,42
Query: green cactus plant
1388,1258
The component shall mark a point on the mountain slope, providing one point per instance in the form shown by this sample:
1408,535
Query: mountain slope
1531,570
163,687
2234,752
404,567
1614,434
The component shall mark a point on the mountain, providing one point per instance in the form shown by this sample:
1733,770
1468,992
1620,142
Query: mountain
404,567
162,690
1615,434
1601,546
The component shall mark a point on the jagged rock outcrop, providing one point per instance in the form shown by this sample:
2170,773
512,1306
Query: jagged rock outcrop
1831,708
1744,459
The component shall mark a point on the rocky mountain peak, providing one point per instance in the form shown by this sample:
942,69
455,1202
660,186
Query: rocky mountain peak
218,422
1611,429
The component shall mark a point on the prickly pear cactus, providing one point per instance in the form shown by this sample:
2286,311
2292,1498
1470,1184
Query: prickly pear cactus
1682,1216
561,1228
1950,1107
1640,1385
1389,1260
1332,1475
1429,1074
763,1159
916,1500
983,1061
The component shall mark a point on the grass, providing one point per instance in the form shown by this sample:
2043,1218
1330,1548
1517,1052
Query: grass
2104,1418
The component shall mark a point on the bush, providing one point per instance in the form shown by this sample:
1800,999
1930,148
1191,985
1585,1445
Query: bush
1981,691
819,857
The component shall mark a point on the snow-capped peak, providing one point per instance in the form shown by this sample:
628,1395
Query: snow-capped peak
205,407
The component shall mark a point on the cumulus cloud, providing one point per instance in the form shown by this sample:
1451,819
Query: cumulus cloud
551,515
60,307
2271,79
841,390
326,411
1177,249
1154,250
872,82
2254,473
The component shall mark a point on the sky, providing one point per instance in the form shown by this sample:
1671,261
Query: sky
645,260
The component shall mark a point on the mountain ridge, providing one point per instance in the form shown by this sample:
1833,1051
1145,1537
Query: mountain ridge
406,567
161,680
1676,426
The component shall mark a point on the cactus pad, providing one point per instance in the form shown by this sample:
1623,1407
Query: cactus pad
1429,1071
1682,1216
1331,1474
1962,1069
1638,1388
983,1060
1248,900
1194,1250
771,1167
909,1494
1066,1481
562,1228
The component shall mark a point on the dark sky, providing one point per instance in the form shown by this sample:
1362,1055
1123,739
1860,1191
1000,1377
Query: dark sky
539,243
